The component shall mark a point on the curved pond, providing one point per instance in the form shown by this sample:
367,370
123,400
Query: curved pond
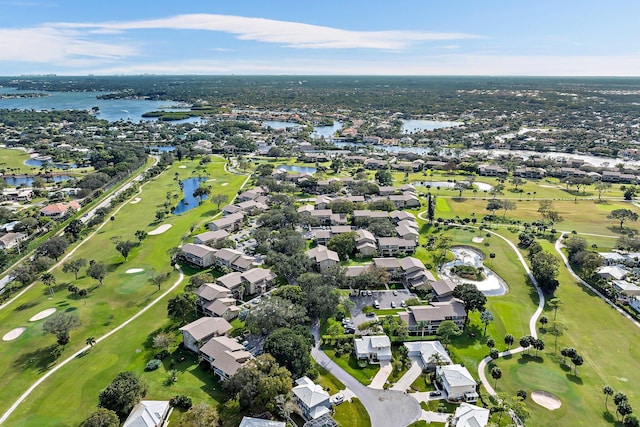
493,285
189,202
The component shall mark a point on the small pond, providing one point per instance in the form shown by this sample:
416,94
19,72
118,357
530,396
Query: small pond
493,285
482,186
27,181
189,202
38,163
419,125
162,148
299,169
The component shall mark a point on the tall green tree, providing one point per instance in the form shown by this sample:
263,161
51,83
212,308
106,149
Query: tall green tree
607,391
446,330
49,280
544,268
472,298
180,306
486,317
124,392
74,266
124,247
290,350
102,417
97,270
258,382
623,215
496,374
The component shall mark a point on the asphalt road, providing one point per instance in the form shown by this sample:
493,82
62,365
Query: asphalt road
386,408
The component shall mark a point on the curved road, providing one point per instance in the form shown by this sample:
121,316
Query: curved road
386,408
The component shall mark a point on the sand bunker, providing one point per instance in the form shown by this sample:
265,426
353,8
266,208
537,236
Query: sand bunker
13,334
160,230
43,314
477,239
136,200
224,183
546,400
182,167
134,270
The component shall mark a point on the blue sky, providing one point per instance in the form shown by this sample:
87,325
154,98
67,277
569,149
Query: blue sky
307,37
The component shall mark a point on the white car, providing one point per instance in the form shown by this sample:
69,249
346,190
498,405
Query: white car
338,399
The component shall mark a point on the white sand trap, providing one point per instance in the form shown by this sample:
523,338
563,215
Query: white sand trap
43,314
182,167
477,239
546,400
224,183
13,334
160,230
136,200
134,270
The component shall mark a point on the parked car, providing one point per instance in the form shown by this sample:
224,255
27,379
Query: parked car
403,304
393,304
371,314
376,304
435,393
395,292
338,399
369,293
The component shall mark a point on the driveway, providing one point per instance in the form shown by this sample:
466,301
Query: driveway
409,377
386,408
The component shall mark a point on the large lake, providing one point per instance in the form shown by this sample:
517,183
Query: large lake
110,109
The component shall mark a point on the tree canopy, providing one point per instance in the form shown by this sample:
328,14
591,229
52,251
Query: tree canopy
290,350
124,392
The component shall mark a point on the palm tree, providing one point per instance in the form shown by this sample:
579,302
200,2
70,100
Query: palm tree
496,374
437,359
422,325
90,341
577,361
608,391
543,321
555,303
508,340
48,279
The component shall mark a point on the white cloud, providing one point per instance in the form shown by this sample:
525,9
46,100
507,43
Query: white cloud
290,34
55,46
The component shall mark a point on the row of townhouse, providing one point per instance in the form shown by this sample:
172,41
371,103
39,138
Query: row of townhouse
409,271
203,256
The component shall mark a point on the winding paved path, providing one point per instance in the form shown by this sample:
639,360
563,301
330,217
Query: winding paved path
386,408
69,359
558,247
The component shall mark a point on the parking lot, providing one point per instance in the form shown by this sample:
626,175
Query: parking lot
385,298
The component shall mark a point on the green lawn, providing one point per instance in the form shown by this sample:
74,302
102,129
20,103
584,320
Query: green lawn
24,360
609,344
348,363
422,383
352,414
14,159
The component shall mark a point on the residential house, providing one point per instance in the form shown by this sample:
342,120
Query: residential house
530,173
612,258
392,246
225,355
612,272
255,280
312,399
634,303
60,210
429,317
430,353
233,259
252,194
202,330
492,170
457,382
259,422
10,240
387,190
322,202
443,288
323,257
322,236
149,413
230,223
375,349
408,233
625,288
223,307
198,255
468,415
210,238
366,243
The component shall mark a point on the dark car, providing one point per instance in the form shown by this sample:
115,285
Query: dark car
435,393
